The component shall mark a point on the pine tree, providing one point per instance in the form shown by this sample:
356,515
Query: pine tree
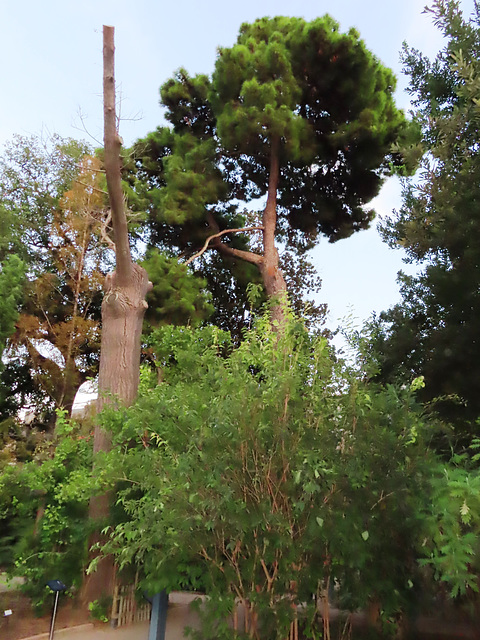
434,332
295,112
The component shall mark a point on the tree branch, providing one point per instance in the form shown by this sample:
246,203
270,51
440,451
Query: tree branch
103,232
89,186
113,143
222,233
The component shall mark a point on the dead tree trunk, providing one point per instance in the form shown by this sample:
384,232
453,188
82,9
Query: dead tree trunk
123,309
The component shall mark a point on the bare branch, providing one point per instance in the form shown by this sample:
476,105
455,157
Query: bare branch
89,186
84,128
222,233
81,166
103,231
119,102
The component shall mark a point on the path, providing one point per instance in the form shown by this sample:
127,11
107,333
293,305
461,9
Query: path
179,616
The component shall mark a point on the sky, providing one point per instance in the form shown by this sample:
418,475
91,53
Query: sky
51,82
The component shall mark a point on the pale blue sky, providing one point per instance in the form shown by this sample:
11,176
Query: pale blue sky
52,69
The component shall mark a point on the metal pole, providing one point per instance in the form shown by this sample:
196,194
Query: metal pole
53,615
158,621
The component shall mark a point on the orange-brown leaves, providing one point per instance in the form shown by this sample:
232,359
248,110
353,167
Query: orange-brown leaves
59,326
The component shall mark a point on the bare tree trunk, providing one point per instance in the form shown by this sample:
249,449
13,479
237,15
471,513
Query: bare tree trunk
123,309
275,285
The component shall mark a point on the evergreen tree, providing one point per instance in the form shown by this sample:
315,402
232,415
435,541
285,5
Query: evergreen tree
12,281
295,112
434,331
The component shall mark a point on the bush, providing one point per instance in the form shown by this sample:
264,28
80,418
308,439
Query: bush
277,471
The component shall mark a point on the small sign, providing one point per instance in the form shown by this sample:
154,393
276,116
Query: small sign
7,612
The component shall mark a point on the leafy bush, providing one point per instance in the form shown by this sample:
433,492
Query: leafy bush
452,543
44,503
275,470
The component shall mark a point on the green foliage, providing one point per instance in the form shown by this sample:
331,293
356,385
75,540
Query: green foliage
43,511
52,200
315,93
99,609
451,545
452,541
434,330
12,280
34,174
272,472
177,297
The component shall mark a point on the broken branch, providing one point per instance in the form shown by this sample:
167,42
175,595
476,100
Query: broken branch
218,235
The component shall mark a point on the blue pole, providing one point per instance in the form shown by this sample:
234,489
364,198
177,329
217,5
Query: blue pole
158,621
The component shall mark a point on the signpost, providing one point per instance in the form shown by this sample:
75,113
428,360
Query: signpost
56,586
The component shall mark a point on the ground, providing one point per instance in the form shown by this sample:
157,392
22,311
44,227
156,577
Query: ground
23,623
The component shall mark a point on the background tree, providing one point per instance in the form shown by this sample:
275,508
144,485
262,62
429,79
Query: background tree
434,331
294,112
12,280
55,218
58,328
53,203
35,173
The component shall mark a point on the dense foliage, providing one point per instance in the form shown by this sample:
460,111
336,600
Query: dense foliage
255,465
57,228
434,331
53,201
43,511
295,112
272,473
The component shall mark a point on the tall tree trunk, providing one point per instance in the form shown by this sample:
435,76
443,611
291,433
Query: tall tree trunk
268,263
123,309
273,280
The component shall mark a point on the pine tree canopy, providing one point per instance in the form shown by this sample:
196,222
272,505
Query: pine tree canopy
319,92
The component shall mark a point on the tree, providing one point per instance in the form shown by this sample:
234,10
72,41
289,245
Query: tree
123,308
434,332
53,202
43,511
56,219
319,478
177,297
12,280
34,175
296,113
58,328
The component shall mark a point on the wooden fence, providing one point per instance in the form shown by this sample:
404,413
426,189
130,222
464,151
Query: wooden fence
125,607
126,610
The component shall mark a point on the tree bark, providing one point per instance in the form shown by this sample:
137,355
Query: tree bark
123,308
275,285
268,263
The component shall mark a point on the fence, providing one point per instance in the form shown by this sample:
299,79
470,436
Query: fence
125,607
127,610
